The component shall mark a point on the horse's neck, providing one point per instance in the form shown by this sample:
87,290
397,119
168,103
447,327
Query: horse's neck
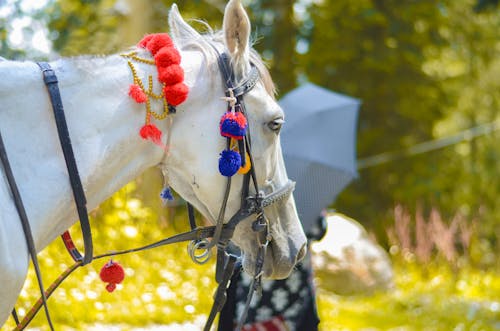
103,124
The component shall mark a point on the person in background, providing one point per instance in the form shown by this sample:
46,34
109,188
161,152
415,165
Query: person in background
288,304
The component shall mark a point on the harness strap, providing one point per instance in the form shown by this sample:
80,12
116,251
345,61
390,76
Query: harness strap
51,82
26,227
220,295
192,220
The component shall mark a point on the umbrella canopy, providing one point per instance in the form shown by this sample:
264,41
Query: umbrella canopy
319,146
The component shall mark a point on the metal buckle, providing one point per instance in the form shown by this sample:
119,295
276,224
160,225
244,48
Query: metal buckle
199,245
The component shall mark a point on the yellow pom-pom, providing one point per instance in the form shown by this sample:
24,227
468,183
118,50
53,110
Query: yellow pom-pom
248,165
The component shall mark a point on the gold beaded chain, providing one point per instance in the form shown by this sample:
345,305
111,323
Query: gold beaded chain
132,56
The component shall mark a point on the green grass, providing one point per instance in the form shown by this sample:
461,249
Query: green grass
163,286
438,299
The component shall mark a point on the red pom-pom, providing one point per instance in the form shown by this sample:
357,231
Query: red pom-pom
145,40
151,132
112,273
176,94
233,125
167,56
137,93
171,75
158,41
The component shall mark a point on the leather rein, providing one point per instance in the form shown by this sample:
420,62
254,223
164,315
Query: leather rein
200,247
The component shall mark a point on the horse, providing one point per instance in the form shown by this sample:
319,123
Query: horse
103,122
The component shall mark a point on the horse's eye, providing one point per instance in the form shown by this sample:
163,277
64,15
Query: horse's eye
276,124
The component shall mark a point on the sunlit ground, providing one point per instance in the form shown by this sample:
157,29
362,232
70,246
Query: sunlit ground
439,301
163,287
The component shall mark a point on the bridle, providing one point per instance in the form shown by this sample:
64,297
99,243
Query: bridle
200,247
251,204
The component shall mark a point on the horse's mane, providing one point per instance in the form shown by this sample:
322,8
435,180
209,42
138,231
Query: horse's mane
211,39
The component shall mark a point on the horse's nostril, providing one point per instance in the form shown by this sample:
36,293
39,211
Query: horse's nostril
302,253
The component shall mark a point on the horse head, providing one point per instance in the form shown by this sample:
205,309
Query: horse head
196,143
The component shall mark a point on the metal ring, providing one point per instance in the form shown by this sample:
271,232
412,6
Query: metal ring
197,245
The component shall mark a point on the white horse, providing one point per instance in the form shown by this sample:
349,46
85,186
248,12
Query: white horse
103,123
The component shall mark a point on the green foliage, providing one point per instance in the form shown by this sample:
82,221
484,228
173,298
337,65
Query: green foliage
483,5
374,51
439,299
84,25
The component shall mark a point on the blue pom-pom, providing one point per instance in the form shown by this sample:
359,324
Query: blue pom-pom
166,194
229,162
233,125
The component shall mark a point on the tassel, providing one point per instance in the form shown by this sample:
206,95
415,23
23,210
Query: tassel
151,132
245,168
229,163
233,125
112,273
166,194
136,93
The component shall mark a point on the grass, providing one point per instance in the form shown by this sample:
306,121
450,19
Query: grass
437,300
163,286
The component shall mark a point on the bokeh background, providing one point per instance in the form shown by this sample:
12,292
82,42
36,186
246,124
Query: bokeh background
428,75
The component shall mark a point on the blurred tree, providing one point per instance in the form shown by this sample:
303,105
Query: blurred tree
483,5
421,73
20,30
275,24
374,50
473,48
108,26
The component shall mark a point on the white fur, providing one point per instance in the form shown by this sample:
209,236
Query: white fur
103,123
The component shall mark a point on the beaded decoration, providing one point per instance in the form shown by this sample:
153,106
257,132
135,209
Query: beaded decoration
170,75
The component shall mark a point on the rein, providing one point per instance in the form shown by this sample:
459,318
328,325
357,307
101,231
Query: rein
200,247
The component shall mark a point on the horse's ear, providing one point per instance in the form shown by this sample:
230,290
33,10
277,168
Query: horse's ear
180,31
236,28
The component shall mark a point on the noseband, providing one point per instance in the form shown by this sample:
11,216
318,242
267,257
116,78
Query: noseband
199,249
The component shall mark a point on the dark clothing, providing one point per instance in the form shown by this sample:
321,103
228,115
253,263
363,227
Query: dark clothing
287,304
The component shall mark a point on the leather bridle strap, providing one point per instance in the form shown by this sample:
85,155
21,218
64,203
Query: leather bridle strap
51,82
26,229
244,86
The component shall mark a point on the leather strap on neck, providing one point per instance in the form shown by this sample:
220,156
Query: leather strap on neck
50,80
18,201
